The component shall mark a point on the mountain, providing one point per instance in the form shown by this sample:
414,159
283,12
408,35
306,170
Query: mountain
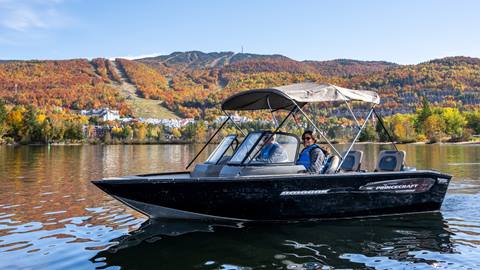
348,67
249,63
192,84
455,61
200,60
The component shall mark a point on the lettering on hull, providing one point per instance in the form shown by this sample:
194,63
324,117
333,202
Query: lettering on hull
304,192
409,185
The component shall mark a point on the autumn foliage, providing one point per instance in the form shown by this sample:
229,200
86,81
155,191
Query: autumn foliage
72,84
193,84
150,83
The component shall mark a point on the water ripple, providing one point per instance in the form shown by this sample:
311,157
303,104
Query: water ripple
51,217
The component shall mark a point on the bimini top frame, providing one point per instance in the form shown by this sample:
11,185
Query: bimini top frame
292,98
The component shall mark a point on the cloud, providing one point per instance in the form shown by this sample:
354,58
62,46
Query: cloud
25,15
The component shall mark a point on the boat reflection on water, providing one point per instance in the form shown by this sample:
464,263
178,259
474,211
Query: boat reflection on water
153,230
355,243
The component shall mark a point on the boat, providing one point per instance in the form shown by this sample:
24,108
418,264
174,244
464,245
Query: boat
235,184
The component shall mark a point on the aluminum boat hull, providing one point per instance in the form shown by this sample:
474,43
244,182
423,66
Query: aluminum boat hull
286,197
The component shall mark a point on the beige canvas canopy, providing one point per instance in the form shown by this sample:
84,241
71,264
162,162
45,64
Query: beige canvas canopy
285,97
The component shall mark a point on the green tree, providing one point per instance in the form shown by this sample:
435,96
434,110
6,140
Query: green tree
154,132
195,132
74,130
31,129
107,138
422,115
140,133
3,119
200,132
46,131
57,128
368,134
127,133
434,127
381,132
15,122
454,122
473,120
188,132
176,133
403,128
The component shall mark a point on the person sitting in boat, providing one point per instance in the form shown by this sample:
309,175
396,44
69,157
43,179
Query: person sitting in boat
272,152
312,155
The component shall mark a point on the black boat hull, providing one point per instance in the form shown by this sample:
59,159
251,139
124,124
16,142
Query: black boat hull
294,197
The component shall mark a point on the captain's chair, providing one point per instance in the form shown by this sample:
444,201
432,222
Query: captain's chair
390,160
353,161
331,165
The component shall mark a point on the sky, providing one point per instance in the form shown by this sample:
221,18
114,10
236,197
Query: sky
404,32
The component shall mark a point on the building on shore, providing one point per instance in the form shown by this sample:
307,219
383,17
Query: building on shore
104,114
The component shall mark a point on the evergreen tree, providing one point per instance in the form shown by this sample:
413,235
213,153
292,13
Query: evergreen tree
368,134
3,119
422,115
382,134
473,121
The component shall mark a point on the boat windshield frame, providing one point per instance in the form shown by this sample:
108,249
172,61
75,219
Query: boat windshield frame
218,153
248,148
247,158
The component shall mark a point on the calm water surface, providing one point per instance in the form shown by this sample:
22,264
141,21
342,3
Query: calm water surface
51,217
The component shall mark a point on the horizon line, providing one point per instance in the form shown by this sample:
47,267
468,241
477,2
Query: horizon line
153,55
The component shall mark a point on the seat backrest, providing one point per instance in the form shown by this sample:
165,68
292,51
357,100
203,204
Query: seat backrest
331,165
390,160
352,161
224,160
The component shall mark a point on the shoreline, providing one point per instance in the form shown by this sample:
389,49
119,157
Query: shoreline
185,143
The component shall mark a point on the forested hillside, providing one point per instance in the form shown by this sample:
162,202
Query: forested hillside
191,84
72,84
198,81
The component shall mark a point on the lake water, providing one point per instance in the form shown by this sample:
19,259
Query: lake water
51,217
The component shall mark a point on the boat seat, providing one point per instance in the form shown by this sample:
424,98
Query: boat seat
390,161
353,161
331,165
224,160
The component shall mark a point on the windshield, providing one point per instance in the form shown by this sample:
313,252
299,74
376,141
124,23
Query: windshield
244,148
276,148
221,149
279,148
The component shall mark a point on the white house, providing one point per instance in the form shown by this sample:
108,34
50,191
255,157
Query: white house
105,114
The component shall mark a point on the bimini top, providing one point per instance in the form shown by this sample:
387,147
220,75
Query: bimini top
285,97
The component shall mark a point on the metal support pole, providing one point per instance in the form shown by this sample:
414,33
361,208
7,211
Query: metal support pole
275,131
271,111
384,128
235,124
209,140
355,139
349,108
319,131
353,115
388,134
284,120
296,121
